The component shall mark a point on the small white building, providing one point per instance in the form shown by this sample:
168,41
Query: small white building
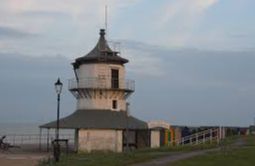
101,121
159,133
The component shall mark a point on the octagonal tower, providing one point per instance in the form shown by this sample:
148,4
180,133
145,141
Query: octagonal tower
101,89
99,81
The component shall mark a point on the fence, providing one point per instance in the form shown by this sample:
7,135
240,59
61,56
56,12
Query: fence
102,83
36,141
210,135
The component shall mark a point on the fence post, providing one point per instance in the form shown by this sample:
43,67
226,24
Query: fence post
14,139
211,135
218,135
76,140
48,140
196,139
203,137
40,136
223,133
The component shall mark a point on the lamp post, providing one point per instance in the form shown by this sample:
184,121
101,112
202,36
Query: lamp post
58,88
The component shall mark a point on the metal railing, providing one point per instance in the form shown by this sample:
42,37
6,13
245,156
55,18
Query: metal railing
101,83
24,139
35,142
200,137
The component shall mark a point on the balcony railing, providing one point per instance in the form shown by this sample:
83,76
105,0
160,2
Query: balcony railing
101,83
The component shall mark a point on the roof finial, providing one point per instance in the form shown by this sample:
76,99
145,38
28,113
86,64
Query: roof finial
102,32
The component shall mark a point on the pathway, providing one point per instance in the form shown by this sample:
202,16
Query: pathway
23,159
175,157
184,155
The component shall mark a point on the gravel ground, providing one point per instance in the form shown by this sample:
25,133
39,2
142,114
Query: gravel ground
23,159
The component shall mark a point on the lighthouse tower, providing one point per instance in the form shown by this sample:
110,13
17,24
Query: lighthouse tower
101,121
99,81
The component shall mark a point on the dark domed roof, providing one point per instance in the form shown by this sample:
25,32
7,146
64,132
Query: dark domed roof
102,53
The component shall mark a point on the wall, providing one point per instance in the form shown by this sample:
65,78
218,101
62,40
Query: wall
100,140
177,133
101,99
155,138
143,137
100,70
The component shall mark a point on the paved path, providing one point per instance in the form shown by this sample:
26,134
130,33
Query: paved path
240,142
24,159
175,157
185,155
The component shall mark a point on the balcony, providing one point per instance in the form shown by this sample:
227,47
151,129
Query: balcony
102,83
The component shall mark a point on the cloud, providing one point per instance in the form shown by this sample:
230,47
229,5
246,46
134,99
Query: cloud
190,68
177,21
70,28
6,33
65,27
144,64
143,60
48,14
176,82
199,87
88,10
27,87
202,5
190,10
196,87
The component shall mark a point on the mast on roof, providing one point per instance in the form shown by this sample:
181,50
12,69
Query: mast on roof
105,19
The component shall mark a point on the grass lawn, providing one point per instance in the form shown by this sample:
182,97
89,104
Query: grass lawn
229,156
121,159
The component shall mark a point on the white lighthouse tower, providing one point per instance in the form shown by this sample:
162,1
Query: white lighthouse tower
100,79
101,121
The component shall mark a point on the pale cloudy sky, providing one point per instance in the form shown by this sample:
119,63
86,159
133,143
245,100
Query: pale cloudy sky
193,60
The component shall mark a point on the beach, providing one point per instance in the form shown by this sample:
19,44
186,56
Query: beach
22,159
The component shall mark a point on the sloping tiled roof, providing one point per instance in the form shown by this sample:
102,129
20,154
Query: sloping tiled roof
101,53
97,119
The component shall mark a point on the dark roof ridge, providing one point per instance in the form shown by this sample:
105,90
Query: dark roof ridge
100,53
97,119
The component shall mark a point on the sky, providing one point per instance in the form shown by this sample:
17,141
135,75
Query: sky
193,60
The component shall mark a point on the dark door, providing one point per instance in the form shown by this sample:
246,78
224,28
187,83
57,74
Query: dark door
115,78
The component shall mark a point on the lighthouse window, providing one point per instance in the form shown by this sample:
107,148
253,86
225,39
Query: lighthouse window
115,78
114,104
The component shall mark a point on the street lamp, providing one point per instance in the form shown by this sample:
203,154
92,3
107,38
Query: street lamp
58,88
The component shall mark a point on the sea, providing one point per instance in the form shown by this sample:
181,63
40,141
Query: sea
25,128
20,133
19,128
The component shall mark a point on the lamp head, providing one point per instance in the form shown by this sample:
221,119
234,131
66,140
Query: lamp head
58,86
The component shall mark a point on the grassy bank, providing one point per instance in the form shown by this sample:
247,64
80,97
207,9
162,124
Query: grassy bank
234,155
121,159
